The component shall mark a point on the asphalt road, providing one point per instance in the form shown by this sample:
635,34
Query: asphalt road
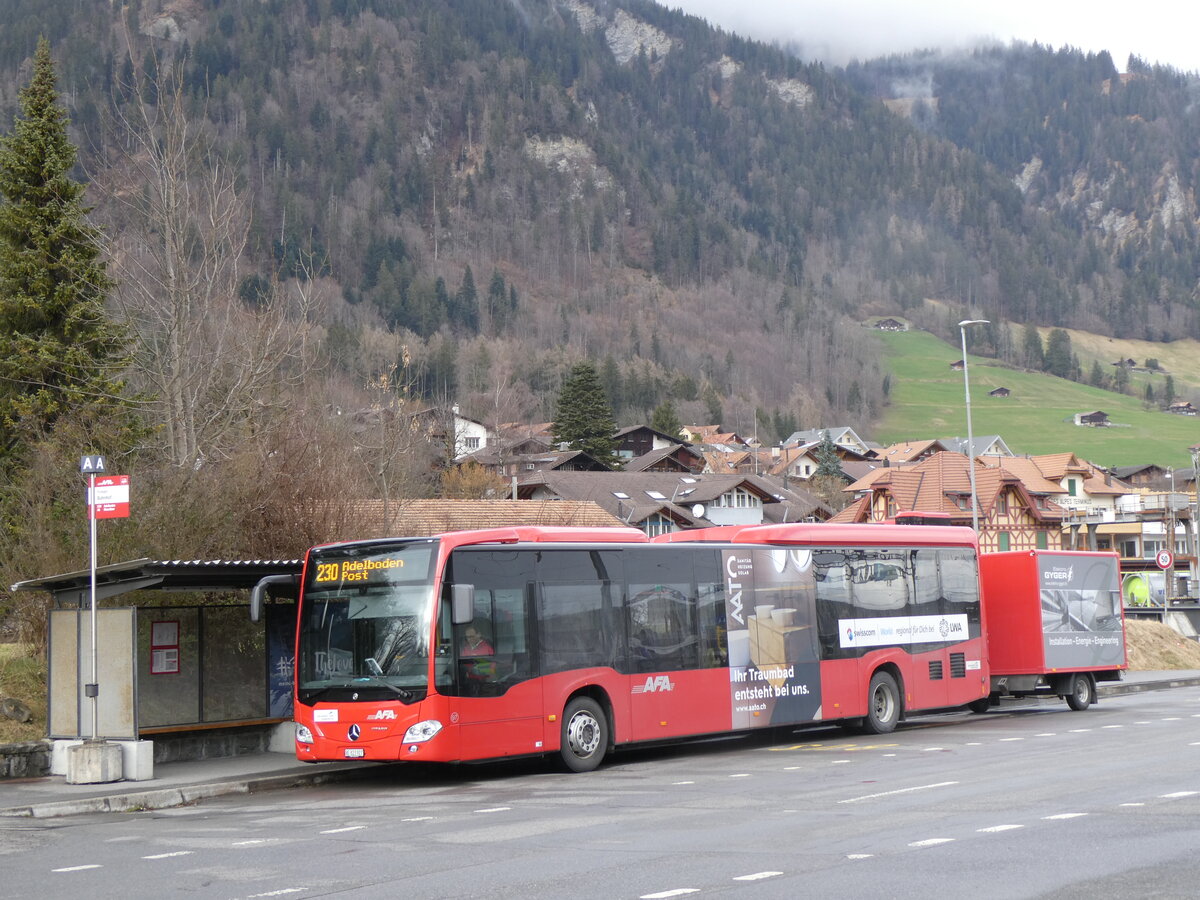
1030,802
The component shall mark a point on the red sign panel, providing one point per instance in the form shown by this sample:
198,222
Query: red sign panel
1165,559
111,497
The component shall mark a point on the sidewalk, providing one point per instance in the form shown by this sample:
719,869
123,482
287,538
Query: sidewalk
180,783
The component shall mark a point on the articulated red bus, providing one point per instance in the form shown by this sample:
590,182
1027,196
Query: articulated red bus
522,641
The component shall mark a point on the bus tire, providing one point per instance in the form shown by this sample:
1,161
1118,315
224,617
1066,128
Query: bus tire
584,739
883,705
1080,693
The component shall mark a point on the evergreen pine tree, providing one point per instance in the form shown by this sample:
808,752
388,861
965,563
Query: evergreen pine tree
666,419
583,417
829,464
59,352
1169,391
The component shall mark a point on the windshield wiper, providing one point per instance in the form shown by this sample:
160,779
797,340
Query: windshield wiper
376,675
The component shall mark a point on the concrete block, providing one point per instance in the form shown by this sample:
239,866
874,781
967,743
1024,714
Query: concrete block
94,762
137,760
59,753
283,738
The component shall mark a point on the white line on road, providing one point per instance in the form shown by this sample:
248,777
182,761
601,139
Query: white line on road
931,749
1172,718
859,855
1079,730
1003,740
1133,804
169,855
1047,734
922,787
342,830
1178,794
931,842
682,782
494,809
1112,726
677,892
757,876
78,868
838,762
248,843
418,819
278,893
993,829
1063,816
741,775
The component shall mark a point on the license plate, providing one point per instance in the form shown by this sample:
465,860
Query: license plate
356,753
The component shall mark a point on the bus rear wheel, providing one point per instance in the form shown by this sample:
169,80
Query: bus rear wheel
883,705
1080,693
584,735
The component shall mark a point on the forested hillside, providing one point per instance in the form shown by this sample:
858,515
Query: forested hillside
486,191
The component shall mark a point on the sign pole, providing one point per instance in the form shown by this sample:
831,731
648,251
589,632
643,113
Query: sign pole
93,686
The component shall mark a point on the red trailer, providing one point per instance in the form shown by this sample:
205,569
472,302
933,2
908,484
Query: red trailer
1054,623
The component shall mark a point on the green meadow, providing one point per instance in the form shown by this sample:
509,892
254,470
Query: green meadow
927,400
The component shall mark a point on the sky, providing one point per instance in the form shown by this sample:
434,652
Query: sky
836,31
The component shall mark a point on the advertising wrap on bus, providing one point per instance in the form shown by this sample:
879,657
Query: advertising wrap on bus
774,671
1081,616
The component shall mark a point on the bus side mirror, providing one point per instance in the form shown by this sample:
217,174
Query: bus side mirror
259,591
462,603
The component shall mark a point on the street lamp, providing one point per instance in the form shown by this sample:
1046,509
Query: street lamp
962,329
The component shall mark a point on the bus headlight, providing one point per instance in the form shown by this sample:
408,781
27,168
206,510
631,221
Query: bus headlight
422,731
303,735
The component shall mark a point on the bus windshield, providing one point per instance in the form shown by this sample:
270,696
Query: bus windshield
365,618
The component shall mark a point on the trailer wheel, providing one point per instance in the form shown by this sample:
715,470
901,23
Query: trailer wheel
883,705
1082,693
982,705
584,735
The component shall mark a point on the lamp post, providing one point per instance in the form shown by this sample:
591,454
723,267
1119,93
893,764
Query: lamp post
962,330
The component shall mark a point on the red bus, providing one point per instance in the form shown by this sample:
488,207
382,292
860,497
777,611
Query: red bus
523,641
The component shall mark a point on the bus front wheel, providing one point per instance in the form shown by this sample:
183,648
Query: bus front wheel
584,735
883,705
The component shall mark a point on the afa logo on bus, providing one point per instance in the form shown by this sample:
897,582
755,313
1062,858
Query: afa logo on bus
654,684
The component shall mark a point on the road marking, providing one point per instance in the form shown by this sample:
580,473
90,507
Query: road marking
932,749
418,819
931,842
757,876
677,892
1133,804
791,768
692,782
78,868
494,809
974,743
1003,740
838,762
1172,718
169,855
1113,726
741,775
997,828
1143,723
1063,816
1047,734
1079,730
278,893
342,830
923,787
247,843
1178,794
859,855
889,754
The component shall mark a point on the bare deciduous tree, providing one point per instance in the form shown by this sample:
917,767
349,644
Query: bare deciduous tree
213,363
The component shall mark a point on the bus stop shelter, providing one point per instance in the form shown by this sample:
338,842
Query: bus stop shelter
164,667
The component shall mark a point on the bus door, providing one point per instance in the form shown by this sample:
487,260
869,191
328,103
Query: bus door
489,666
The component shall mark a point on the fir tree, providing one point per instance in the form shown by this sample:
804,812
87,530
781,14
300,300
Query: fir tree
829,464
583,417
666,419
59,353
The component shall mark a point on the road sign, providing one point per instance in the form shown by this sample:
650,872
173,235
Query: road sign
91,465
111,497
1165,560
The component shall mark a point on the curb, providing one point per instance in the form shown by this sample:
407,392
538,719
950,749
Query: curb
167,798
1116,689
